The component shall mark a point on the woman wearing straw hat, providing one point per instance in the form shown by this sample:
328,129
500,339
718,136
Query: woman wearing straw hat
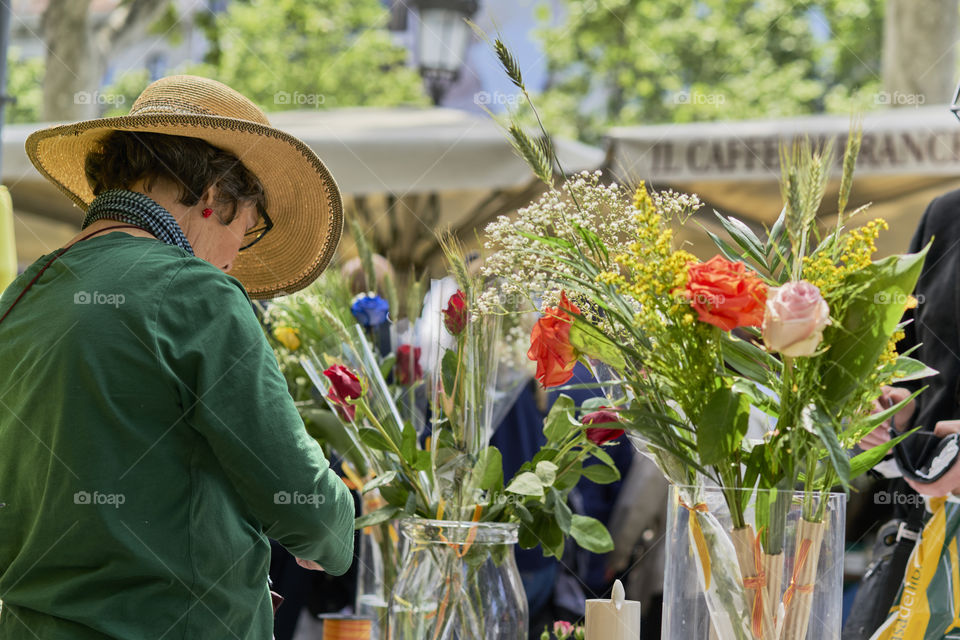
148,445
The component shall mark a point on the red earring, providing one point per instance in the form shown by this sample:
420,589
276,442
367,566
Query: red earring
207,213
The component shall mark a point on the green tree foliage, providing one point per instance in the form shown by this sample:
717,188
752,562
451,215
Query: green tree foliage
625,62
302,54
25,83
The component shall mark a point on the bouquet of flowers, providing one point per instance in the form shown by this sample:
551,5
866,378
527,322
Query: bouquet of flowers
436,462
796,325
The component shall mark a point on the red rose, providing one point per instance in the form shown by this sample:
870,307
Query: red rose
344,385
601,435
550,344
725,294
455,315
408,365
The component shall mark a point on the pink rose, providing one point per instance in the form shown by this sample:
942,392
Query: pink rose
562,629
794,320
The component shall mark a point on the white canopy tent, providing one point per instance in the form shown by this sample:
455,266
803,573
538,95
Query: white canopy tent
908,157
404,172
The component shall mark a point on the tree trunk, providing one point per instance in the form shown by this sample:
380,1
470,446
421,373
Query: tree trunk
73,69
77,54
918,53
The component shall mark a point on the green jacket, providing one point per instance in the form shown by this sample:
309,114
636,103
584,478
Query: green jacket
148,449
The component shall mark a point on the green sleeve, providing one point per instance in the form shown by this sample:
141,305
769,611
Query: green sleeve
233,393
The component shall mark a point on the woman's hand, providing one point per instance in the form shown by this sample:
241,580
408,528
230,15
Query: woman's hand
309,564
950,482
889,396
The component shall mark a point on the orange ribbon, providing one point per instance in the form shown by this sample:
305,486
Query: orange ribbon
757,582
797,567
699,539
461,549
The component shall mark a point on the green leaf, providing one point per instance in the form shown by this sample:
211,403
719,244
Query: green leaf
489,469
748,359
601,473
379,481
872,316
589,340
423,460
547,472
906,369
381,515
730,253
526,484
559,422
410,508
448,370
386,366
758,397
863,462
865,424
590,534
561,512
722,425
373,439
408,443
745,238
396,494
815,420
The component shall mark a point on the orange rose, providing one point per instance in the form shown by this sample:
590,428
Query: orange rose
725,294
550,344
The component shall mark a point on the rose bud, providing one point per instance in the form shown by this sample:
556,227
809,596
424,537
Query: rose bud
344,386
455,315
602,435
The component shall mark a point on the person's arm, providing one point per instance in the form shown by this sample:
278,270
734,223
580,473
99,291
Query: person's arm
234,395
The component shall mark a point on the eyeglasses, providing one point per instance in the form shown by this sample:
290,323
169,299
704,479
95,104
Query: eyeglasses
254,235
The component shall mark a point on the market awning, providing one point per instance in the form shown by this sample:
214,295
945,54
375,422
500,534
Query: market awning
908,157
404,172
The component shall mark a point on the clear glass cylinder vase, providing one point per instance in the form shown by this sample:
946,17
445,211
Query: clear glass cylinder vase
458,581
377,567
770,568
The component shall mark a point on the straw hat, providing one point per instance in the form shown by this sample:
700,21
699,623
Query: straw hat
302,197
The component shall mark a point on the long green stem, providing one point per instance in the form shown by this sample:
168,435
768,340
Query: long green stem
361,404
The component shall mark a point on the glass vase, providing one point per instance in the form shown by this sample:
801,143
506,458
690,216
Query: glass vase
458,581
377,567
776,576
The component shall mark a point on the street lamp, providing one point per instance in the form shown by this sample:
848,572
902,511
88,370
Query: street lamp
442,39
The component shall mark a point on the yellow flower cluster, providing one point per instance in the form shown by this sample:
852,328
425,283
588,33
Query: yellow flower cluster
889,355
856,253
860,244
653,269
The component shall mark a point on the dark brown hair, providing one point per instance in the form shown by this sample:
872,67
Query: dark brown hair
192,165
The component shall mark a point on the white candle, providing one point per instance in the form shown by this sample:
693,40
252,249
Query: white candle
613,619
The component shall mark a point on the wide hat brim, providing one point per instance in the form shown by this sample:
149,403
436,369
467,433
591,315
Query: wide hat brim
303,199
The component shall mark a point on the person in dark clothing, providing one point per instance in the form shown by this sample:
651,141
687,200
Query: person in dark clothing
934,328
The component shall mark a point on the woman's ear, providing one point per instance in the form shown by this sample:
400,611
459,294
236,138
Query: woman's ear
209,197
